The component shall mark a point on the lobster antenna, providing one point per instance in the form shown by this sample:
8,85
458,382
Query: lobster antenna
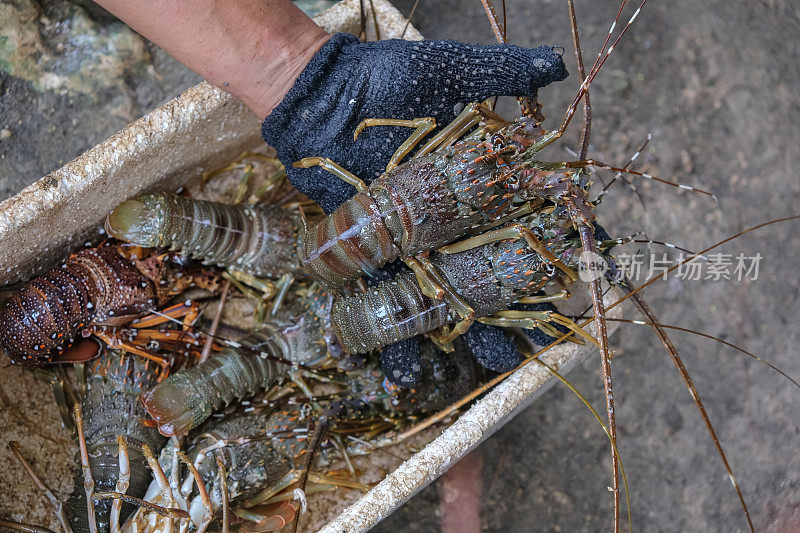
619,175
712,337
701,253
223,481
587,239
215,322
587,106
601,59
646,240
599,164
499,32
588,405
673,353
408,20
664,338
240,346
608,35
586,233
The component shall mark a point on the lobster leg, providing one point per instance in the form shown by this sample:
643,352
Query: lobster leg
266,288
55,502
163,484
88,481
269,492
471,116
430,278
259,300
241,189
536,319
465,121
430,288
334,168
208,511
122,483
435,286
182,310
132,348
64,396
20,526
560,295
236,163
270,517
283,285
423,127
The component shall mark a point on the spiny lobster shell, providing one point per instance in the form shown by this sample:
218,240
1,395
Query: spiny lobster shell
95,286
111,407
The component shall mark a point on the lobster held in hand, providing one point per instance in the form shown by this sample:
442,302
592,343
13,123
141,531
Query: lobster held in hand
485,279
418,206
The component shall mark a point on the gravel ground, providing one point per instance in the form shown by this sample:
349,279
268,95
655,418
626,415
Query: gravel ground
715,82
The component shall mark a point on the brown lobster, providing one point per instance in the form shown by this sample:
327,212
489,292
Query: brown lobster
41,322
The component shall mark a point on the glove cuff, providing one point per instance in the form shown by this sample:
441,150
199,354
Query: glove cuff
277,129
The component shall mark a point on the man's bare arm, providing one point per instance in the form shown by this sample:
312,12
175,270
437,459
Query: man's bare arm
253,49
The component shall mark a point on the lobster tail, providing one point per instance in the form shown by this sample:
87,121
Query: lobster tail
391,311
258,239
111,408
184,400
354,240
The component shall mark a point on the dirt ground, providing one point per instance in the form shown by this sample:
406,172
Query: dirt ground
715,83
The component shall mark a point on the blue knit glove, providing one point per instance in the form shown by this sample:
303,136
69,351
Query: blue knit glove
348,81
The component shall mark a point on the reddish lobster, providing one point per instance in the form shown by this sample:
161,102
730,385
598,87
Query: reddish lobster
95,286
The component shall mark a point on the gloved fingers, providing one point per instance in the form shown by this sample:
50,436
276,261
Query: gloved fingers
440,73
492,347
402,363
348,81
